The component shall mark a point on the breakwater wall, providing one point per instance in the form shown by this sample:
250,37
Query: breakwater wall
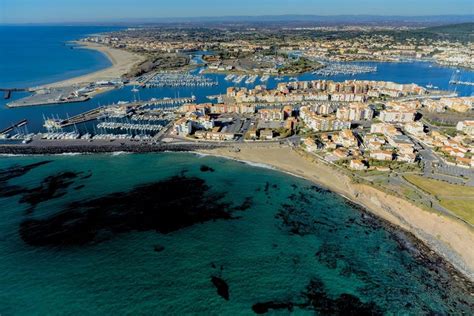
102,148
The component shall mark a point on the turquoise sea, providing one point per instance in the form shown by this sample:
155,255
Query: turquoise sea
150,233
180,233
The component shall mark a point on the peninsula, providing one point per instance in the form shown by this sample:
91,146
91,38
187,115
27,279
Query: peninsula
122,62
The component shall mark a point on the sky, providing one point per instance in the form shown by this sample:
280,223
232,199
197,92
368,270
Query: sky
53,11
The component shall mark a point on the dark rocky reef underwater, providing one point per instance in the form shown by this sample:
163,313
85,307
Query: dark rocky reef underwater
316,298
165,206
52,187
205,168
221,286
15,172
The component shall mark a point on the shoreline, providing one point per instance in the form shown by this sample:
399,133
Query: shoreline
121,61
448,238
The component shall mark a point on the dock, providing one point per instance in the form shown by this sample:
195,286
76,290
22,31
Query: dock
50,96
7,92
9,129
462,83
82,118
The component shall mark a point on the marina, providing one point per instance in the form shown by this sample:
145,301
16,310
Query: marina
137,111
130,126
175,80
334,69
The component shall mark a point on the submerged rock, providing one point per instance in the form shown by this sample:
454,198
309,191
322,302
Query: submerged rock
221,286
159,248
246,204
87,176
265,307
79,187
316,298
18,171
345,304
205,168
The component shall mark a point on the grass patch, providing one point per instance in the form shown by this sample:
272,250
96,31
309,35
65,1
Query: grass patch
457,198
462,208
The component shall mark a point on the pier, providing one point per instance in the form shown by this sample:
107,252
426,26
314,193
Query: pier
456,80
7,93
463,83
49,96
81,118
9,129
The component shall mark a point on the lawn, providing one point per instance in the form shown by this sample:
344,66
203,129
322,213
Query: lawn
457,198
462,208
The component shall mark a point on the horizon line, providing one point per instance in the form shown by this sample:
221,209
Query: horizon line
171,19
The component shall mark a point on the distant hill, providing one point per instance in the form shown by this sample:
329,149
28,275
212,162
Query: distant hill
452,29
461,32
326,19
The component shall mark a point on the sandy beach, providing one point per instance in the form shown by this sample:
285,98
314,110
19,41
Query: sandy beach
450,238
122,62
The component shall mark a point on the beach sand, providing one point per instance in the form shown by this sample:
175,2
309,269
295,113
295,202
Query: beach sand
450,238
122,62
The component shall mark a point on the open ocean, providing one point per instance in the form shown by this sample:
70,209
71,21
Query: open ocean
178,233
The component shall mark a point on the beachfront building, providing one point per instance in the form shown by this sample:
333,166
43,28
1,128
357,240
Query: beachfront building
310,144
357,164
214,135
266,134
183,127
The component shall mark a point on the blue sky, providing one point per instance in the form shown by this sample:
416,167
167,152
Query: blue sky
31,11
